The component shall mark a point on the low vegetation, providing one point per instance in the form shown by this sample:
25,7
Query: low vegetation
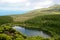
47,19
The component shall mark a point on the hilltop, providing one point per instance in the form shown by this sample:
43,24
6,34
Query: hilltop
55,9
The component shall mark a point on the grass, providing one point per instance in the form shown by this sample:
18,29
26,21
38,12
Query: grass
49,23
46,19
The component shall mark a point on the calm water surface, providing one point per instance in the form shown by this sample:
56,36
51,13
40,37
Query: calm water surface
29,32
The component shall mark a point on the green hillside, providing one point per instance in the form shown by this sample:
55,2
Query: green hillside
55,9
50,23
46,19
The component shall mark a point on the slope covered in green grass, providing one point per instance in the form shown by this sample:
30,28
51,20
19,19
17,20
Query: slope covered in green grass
44,11
46,19
50,23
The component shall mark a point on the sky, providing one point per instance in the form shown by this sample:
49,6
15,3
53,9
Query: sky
24,5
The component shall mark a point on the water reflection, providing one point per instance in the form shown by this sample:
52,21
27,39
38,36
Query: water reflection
29,32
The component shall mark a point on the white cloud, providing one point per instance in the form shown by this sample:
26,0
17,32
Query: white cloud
12,1
28,4
43,4
24,4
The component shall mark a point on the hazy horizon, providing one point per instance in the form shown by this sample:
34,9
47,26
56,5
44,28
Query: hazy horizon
9,12
9,7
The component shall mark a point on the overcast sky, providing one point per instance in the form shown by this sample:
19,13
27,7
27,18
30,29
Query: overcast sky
26,4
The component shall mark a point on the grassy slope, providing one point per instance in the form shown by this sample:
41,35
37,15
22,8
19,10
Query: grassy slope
45,11
49,23
29,15
45,19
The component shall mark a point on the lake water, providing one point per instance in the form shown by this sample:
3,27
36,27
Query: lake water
29,32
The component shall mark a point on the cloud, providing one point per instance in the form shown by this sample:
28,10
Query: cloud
24,4
12,1
43,4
